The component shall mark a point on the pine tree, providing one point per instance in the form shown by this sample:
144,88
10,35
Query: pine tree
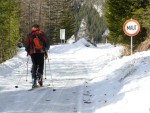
95,23
115,15
142,14
117,12
8,28
67,20
56,8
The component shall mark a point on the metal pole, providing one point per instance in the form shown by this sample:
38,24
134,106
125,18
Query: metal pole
45,68
27,68
51,76
131,45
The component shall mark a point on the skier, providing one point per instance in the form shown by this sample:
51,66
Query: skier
37,46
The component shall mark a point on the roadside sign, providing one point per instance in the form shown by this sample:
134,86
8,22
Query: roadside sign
131,27
62,34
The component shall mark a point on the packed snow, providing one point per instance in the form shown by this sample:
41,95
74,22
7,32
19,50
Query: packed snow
86,79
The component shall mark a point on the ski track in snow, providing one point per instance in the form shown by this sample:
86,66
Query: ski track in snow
66,73
86,79
68,78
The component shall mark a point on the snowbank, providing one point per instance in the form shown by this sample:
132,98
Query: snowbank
14,62
84,42
71,48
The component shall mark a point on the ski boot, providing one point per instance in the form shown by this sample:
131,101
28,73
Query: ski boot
34,83
40,79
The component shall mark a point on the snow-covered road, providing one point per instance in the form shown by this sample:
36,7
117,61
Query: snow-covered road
64,75
85,79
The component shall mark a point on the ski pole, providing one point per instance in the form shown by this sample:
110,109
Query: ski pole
18,82
21,76
45,68
16,86
27,68
51,77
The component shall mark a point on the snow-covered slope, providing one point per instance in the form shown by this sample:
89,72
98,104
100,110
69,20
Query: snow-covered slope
87,80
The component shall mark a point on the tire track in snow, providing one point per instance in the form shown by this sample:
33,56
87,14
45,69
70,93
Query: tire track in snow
68,81
69,99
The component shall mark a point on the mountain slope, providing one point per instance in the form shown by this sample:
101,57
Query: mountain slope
91,12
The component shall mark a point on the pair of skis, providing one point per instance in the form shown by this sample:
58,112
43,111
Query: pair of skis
47,86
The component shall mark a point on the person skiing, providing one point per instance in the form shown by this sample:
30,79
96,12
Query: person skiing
37,45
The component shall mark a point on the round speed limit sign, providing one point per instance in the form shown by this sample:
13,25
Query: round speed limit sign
131,27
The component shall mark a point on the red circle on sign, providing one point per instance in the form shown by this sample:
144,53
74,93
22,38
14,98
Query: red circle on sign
133,33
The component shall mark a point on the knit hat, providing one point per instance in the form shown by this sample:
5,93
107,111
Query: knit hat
35,28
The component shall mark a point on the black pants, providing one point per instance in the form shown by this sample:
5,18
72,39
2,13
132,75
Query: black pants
38,64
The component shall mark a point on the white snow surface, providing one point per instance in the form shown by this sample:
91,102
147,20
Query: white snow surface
86,79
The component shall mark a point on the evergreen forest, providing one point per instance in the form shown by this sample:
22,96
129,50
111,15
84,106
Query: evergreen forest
18,16
117,12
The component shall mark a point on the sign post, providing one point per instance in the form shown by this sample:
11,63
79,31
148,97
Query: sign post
131,28
62,35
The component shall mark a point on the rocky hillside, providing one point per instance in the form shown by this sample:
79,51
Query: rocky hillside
91,12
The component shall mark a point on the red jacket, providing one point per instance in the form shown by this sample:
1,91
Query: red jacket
29,44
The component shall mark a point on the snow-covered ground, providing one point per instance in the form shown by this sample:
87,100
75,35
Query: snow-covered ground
86,79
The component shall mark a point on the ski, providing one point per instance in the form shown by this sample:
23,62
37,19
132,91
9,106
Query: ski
47,86
33,88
